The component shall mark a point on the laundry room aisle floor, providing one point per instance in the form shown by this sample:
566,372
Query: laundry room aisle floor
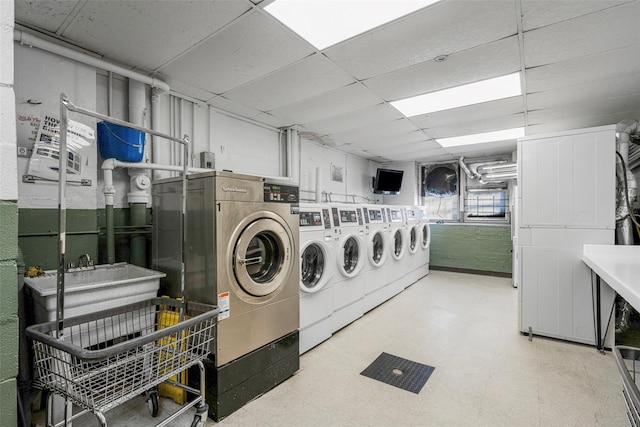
486,372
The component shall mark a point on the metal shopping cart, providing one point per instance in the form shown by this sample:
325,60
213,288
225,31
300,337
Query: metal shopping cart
100,360
104,359
628,361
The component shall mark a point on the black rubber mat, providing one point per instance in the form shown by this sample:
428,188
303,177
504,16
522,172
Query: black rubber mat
399,372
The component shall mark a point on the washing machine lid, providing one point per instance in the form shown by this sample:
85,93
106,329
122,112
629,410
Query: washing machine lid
262,257
314,267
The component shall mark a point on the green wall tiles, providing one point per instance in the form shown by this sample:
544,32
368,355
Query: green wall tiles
471,247
9,283
8,229
9,348
8,413
38,238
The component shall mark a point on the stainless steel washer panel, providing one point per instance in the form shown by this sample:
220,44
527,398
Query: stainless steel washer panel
242,251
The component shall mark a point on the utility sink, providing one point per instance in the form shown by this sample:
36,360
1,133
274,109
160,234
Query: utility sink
91,289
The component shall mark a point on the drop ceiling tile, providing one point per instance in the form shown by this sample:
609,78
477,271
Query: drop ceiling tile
307,78
479,126
253,46
355,119
149,33
476,112
391,141
443,28
583,36
585,92
48,15
600,107
483,62
413,147
585,69
233,107
270,120
437,155
541,13
376,131
562,124
487,148
333,103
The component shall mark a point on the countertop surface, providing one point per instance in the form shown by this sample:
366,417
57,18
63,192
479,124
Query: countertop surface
618,266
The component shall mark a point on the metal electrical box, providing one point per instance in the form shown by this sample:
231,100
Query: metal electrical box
207,160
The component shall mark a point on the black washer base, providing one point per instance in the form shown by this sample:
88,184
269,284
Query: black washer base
230,387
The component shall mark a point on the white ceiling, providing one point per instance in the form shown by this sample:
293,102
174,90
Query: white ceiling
580,59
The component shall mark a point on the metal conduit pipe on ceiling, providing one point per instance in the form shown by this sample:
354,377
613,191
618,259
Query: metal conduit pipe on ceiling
31,40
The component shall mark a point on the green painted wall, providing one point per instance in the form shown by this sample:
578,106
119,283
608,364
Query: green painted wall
38,236
471,247
9,322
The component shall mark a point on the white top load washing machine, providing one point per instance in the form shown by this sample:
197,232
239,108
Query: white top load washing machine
348,288
375,269
397,241
317,269
425,239
414,254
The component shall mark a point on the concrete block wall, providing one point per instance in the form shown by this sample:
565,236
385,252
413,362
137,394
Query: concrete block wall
8,223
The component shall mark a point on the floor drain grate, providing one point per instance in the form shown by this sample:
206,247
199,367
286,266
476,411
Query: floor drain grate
399,372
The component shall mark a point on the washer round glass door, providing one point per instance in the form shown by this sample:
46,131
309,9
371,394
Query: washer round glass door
377,249
261,259
312,268
413,239
426,236
351,255
398,247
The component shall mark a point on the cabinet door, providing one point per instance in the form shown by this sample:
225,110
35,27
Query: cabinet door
556,294
568,179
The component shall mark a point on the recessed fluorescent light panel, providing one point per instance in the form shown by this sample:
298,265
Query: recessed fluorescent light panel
479,138
459,96
324,23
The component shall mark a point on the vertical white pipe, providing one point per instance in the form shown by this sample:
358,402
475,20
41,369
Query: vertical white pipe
318,185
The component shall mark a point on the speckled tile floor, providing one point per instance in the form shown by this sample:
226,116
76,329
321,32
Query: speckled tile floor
486,373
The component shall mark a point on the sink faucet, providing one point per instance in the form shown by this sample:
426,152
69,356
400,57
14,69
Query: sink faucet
87,263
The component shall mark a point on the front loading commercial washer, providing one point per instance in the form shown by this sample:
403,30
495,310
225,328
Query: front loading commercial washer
375,269
348,287
414,254
425,239
241,254
317,268
397,241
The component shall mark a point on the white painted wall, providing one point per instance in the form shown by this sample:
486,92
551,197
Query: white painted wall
356,175
8,165
238,145
41,78
410,190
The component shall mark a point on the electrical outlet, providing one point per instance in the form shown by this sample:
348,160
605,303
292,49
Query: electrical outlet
23,152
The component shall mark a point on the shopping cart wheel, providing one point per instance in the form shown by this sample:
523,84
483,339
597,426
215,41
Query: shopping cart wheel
200,417
152,403
197,421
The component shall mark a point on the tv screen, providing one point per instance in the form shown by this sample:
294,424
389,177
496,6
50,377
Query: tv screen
388,181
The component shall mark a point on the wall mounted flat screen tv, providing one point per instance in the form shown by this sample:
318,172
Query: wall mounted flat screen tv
387,181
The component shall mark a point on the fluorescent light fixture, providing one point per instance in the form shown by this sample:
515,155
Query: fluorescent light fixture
479,138
459,96
324,23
